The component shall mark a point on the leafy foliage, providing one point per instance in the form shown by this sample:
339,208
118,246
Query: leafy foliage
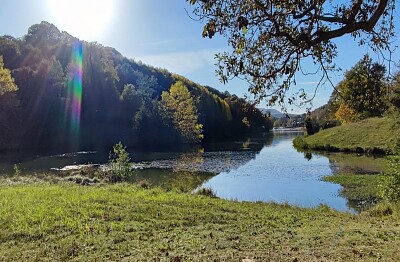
17,171
362,92
324,116
8,106
120,98
394,97
308,125
119,163
178,106
6,81
270,39
345,114
392,183
246,122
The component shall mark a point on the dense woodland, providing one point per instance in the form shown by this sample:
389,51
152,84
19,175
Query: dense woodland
120,99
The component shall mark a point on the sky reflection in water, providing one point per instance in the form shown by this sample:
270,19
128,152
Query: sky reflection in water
265,168
281,174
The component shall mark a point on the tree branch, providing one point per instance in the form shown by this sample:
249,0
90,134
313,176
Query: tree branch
364,25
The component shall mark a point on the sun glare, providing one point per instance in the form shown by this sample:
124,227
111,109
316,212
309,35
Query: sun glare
85,19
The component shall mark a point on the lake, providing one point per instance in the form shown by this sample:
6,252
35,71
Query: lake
265,168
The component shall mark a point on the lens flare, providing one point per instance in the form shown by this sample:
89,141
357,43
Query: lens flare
75,87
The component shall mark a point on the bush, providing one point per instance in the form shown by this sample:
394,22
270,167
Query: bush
382,209
207,192
17,171
299,143
119,163
391,187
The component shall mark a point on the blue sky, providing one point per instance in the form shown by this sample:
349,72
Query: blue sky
156,32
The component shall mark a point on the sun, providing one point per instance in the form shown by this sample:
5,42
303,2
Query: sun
85,19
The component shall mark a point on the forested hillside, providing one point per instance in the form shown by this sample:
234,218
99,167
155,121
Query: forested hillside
72,95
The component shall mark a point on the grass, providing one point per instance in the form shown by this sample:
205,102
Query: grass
373,135
361,191
66,221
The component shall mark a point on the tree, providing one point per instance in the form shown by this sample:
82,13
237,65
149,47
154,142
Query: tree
394,97
135,97
10,49
363,90
6,81
8,89
119,163
178,106
8,107
117,100
271,38
345,114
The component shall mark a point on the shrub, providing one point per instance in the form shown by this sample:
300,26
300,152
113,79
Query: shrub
207,192
391,187
17,171
299,143
382,209
119,163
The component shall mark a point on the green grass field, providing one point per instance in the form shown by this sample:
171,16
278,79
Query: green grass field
370,135
64,222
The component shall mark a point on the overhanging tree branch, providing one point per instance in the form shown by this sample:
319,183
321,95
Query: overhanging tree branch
267,36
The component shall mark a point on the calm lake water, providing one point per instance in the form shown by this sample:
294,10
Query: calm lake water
263,168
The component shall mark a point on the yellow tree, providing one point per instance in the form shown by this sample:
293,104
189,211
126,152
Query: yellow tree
179,107
8,106
6,81
345,114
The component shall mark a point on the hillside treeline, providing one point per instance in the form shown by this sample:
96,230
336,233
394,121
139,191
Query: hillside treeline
73,95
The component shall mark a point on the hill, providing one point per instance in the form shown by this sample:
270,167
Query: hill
275,113
374,135
77,95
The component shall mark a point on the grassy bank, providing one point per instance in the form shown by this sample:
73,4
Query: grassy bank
128,223
361,191
374,135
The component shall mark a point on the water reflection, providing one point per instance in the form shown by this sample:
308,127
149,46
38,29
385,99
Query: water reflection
45,164
356,163
279,173
260,168
211,158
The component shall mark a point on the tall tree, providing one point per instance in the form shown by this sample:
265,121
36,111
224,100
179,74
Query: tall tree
8,107
6,81
394,96
178,105
271,38
363,90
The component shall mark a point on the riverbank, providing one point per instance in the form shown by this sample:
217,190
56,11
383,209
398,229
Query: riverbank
361,191
373,135
129,223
